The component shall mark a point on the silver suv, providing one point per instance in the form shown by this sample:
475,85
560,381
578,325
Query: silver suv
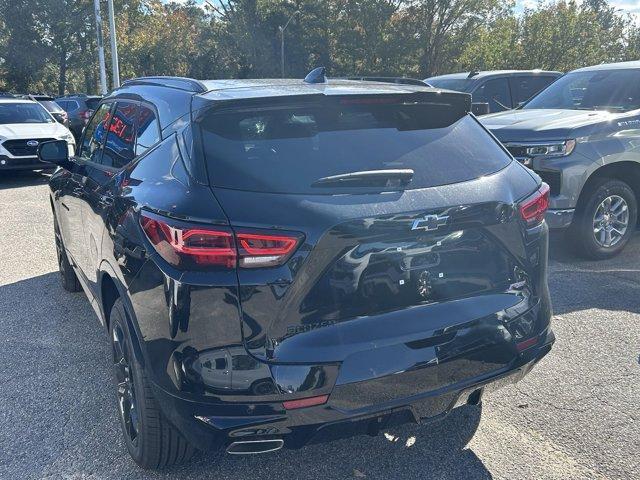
582,136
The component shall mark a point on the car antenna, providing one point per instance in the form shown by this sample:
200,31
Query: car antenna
472,74
317,75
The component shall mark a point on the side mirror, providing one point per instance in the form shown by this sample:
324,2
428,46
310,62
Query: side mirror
480,108
56,152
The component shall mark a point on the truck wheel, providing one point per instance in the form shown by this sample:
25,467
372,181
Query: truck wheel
151,440
606,220
68,277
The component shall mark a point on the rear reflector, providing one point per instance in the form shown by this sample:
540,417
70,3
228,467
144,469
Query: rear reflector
305,402
522,346
186,246
533,209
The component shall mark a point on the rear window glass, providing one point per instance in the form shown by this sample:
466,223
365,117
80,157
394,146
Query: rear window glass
458,84
290,149
50,105
69,105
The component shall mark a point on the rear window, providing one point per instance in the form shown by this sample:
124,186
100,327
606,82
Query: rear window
50,105
291,148
68,105
457,84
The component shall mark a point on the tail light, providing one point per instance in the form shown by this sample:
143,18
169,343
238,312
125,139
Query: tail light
264,250
86,115
532,209
189,246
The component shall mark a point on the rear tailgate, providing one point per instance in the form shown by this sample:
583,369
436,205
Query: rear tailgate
366,280
391,275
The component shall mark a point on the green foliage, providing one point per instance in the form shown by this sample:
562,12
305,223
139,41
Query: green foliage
50,45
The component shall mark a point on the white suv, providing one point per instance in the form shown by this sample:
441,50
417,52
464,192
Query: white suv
24,124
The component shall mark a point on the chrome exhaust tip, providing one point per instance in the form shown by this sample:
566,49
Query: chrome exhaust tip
252,447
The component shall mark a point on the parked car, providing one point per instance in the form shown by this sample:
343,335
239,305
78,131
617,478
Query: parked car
581,136
52,107
367,253
496,90
24,124
79,108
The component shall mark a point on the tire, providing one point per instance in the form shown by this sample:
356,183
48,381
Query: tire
68,276
151,440
583,230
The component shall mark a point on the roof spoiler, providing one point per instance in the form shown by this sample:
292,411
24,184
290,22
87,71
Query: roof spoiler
179,83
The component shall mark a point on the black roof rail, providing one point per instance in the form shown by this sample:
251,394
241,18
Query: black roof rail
179,83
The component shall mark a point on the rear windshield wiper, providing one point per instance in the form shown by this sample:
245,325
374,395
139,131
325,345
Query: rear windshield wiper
367,178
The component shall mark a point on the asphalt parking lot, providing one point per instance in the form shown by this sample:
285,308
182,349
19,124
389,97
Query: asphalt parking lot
577,415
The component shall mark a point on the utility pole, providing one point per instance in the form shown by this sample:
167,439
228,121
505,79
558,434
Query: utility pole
103,71
114,45
282,29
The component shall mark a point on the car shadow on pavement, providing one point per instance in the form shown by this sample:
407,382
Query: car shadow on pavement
58,416
577,284
26,178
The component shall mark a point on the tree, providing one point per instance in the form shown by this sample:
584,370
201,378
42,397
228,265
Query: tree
444,26
53,47
24,53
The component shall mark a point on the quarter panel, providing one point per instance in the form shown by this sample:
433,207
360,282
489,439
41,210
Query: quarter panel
176,314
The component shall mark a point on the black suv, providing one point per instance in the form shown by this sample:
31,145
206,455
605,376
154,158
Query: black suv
79,108
279,260
496,90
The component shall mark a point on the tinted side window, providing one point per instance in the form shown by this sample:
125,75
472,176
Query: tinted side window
540,83
94,133
92,103
494,92
148,130
119,144
71,106
523,88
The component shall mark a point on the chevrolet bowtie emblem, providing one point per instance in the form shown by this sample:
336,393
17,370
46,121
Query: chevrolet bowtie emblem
430,222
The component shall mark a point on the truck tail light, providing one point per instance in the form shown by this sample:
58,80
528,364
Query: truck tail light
533,209
195,246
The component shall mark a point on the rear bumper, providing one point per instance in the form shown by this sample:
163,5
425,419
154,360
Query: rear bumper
209,426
